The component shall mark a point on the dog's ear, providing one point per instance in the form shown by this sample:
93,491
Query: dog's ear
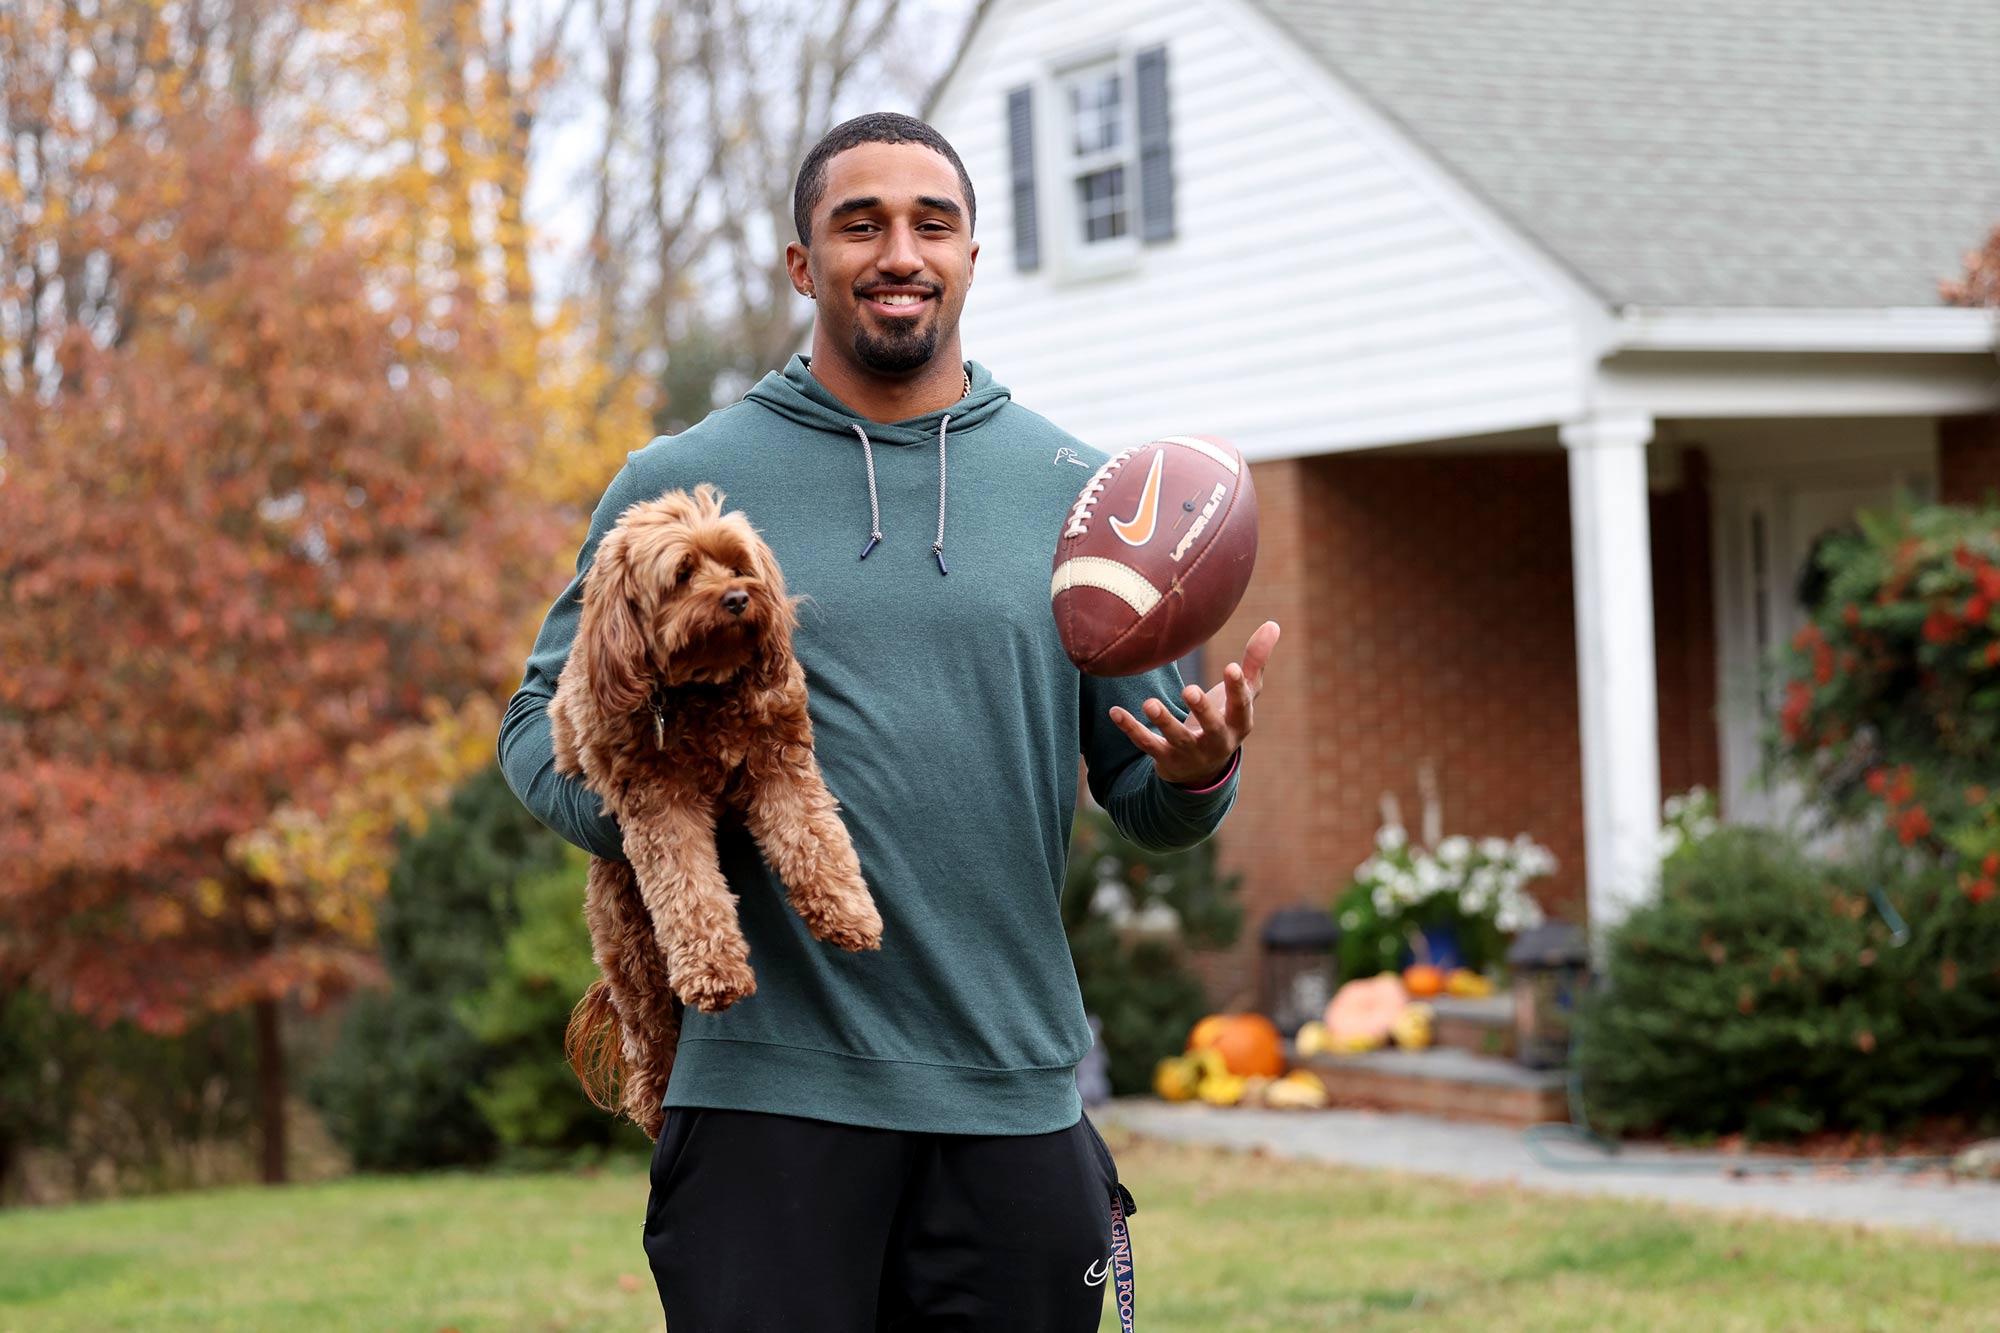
609,637
708,500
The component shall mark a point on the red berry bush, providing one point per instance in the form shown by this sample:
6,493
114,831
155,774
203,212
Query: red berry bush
1892,693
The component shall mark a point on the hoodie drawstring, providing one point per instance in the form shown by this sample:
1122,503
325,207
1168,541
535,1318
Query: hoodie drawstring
937,547
875,502
874,505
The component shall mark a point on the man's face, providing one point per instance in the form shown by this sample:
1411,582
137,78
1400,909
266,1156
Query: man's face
891,257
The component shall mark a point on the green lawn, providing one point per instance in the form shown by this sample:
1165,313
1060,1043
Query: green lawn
1224,1244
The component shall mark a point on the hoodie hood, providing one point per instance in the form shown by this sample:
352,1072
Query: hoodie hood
795,395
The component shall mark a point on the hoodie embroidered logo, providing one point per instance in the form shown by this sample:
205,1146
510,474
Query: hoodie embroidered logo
1095,1274
1138,529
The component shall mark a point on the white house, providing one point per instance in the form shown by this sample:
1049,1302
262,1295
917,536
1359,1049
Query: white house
1556,331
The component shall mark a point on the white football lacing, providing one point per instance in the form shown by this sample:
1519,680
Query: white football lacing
1079,514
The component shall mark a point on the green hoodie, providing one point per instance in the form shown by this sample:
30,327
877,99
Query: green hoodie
947,722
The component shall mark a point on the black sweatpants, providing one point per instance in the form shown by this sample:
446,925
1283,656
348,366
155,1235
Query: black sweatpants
760,1223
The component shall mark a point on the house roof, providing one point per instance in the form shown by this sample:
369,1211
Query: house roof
1700,153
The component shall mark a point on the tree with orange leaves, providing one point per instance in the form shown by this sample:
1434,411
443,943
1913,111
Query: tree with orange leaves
252,529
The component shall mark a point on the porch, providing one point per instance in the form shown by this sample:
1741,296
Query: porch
1443,595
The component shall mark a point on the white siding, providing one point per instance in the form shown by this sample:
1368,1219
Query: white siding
1328,287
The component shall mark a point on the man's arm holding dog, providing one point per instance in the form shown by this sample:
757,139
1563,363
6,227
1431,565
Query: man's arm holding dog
1169,789
527,756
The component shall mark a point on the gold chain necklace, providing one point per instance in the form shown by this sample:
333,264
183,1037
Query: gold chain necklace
966,392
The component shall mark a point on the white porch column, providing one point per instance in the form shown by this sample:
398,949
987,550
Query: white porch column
1610,540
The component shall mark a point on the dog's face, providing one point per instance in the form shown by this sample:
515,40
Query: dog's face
681,593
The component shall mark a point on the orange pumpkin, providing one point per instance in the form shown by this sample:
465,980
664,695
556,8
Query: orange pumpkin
1421,979
1248,1043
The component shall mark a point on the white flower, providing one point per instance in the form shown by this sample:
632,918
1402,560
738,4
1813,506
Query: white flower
1493,849
1454,850
1673,808
1350,920
1390,838
1112,899
1384,900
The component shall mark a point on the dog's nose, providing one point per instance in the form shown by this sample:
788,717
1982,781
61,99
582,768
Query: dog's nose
735,600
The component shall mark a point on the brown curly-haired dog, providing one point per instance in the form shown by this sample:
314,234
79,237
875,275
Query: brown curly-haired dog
682,695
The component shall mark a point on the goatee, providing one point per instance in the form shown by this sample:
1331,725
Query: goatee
899,353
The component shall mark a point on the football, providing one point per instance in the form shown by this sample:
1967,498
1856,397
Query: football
1154,555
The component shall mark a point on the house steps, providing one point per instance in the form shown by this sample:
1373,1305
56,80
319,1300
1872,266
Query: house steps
1442,1081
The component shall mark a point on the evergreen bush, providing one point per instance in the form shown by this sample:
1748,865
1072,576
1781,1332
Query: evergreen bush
397,1088
1131,916
1767,993
530,1095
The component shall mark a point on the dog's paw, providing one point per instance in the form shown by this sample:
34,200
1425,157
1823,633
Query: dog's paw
715,986
848,921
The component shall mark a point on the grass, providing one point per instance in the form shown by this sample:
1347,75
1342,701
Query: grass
1224,1243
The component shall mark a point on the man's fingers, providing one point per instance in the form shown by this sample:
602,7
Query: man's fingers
1207,711
1142,736
1257,654
1171,728
1236,681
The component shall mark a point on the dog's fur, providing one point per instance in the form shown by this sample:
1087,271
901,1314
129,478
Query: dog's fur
672,705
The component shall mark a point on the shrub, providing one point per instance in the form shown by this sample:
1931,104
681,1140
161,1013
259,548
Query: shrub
1767,993
530,1094
397,1088
114,1109
1131,916
1891,709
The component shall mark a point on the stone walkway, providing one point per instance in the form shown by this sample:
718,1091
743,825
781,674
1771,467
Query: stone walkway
1927,1201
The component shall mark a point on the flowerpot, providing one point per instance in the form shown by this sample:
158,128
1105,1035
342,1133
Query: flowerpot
1442,942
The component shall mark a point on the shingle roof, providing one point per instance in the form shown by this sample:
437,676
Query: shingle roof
1793,153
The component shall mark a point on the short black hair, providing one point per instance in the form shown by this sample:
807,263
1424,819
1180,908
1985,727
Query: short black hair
875,127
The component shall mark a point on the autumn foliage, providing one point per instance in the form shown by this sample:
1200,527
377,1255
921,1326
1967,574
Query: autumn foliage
256,530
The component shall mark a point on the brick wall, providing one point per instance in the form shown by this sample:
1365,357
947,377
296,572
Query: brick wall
1426,604
1969,460
1427,611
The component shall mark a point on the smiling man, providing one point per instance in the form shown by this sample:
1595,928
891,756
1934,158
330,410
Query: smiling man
893,1139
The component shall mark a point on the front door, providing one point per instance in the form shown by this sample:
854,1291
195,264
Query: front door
1765,530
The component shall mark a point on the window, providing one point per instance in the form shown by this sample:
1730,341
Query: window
1101,150
1100,131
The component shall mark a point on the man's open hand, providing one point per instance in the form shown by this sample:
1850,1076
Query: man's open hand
1196,752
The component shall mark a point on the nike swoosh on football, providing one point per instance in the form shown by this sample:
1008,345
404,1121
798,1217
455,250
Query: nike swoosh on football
1138,529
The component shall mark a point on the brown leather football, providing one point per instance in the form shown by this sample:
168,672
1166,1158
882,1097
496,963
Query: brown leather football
1155,554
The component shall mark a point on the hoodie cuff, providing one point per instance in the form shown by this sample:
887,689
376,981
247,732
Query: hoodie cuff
1235,761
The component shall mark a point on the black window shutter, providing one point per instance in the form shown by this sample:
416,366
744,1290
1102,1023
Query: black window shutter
1021,143
1156,149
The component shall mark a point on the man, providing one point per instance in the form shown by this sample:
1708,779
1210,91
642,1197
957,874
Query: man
893,1139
